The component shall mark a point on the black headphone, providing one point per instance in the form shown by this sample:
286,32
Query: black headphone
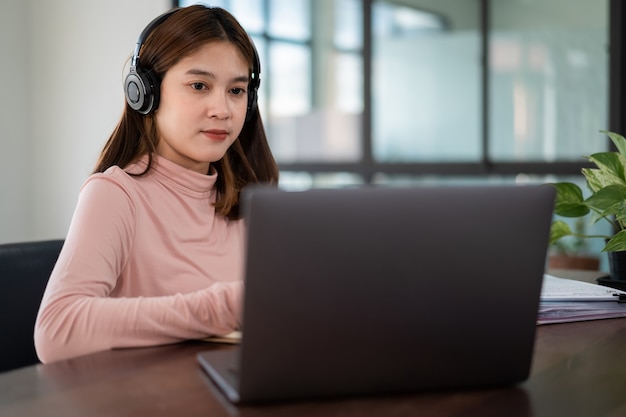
142,88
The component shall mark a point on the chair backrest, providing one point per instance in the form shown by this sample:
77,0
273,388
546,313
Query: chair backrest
24,271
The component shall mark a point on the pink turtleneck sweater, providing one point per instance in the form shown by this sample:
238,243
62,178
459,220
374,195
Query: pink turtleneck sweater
146,261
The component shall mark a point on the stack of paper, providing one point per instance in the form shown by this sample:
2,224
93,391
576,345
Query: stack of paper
230,338
566,300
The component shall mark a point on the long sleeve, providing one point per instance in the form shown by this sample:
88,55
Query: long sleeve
136,271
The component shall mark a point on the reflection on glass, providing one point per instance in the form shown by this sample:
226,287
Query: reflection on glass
426,81
249,13
290,100
548,79
224,4
348,83
290,19
289,73
348,24
297,181
316,89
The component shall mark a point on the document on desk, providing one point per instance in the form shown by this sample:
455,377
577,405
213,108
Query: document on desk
233,338
562,289
566,300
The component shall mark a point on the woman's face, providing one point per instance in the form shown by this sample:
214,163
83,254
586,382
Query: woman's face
203,106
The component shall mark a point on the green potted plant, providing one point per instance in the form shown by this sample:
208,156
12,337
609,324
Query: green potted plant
606,202
572,251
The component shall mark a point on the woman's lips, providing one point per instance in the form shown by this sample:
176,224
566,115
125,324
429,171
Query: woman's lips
216,134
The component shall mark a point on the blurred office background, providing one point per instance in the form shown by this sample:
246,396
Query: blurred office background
353,92
384,91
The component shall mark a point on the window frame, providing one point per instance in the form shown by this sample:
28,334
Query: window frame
368,168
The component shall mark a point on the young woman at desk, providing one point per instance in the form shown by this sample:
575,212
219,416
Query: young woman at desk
153,253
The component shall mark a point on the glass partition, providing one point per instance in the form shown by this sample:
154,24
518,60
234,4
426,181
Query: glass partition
548,79
429,87
426,102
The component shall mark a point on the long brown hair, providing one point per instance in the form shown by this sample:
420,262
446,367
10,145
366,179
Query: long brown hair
249,160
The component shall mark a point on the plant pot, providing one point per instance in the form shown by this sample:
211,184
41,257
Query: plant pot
617,268
587,263
617,265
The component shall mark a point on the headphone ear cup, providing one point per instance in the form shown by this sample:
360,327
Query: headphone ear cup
141,89
252,103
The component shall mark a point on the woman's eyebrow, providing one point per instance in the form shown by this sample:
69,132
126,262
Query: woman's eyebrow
209,74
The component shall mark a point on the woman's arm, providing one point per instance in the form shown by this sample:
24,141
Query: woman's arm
77,315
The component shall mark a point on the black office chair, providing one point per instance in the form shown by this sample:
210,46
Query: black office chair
24,271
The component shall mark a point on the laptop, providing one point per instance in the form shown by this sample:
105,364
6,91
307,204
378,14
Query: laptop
370,291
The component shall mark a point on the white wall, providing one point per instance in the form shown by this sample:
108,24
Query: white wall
61,70
13,81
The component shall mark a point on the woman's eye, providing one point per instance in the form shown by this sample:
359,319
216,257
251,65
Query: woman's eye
198,86
238,91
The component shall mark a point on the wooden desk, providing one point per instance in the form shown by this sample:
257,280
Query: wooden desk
579,369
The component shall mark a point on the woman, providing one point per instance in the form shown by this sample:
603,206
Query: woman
154,251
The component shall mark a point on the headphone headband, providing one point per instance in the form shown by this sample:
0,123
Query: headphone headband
146,31
142,88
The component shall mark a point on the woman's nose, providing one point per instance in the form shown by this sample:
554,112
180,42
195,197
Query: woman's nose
218,106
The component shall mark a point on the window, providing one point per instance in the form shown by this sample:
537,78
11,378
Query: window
548,79
426,96
406,91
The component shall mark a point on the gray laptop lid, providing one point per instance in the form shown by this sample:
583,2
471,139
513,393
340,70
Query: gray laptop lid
387,290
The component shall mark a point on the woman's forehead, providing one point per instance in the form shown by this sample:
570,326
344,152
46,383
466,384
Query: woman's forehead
214,56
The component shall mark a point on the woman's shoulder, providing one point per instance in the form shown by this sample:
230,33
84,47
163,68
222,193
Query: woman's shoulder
113,180
113,174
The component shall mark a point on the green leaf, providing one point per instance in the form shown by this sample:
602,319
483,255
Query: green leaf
620,212
569,200
617,243
618,140
595,179
608,199
611,165
598,178
558,230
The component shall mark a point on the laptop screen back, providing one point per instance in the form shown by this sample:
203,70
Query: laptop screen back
386,290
